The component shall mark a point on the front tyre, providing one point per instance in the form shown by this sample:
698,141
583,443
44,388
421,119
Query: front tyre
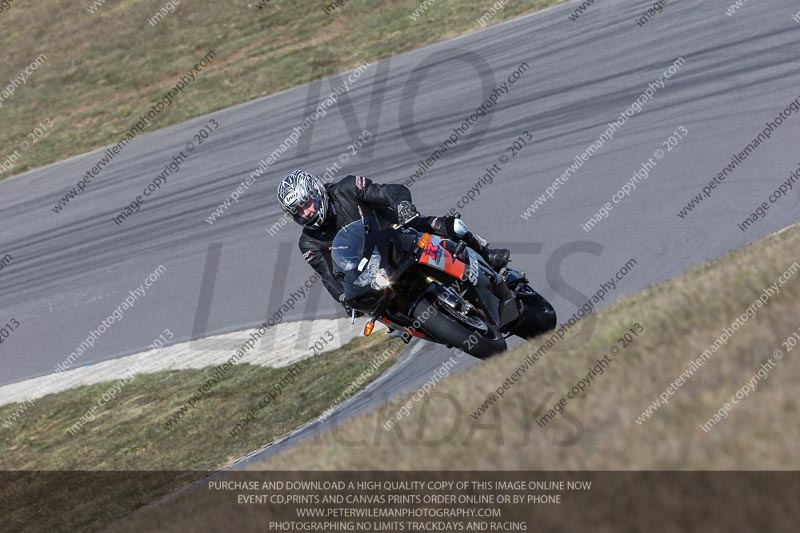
448,330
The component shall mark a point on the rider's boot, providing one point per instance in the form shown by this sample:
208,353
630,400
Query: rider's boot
496,257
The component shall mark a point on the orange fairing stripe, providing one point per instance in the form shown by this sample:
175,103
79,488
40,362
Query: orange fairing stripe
415,333
410,331
453,266
438,257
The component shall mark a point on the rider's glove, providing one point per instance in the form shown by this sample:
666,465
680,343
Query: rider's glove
406,212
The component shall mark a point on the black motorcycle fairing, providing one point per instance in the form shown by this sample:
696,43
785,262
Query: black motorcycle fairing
514,278
383,275
486,286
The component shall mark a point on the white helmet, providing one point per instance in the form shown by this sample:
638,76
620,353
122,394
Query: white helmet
296,189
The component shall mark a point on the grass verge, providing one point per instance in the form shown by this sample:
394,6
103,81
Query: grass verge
128,434
103,70
598,430
681,318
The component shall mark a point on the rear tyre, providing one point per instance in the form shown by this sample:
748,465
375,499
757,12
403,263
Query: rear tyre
538,316
448,330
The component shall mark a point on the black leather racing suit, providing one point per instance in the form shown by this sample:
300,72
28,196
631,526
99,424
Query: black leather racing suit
347,195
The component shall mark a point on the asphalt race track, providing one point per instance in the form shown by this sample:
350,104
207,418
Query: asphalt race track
71,269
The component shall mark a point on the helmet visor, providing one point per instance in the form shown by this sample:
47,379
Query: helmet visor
306,211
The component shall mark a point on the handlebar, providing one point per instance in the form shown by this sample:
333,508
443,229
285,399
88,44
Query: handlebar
396,226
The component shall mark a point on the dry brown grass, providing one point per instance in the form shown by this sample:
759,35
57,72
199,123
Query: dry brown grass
126,457
681,318
102,70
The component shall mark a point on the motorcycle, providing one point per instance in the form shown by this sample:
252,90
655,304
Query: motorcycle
436,289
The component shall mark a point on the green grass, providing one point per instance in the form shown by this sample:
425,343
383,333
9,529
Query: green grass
128,433
103,70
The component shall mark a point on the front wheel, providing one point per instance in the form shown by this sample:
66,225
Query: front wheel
478,339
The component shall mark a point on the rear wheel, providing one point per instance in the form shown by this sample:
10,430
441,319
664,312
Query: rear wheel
538,315
468,332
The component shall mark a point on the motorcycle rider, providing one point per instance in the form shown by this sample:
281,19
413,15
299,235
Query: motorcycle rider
323,209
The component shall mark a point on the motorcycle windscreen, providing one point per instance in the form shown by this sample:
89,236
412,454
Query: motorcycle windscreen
347,248
435,255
